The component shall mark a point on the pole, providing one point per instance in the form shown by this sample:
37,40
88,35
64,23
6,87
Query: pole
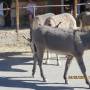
75,8
62,8
17,16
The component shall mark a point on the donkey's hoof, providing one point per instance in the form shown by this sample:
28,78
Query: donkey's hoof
89,86
32,75
44,80
88,83
58,64
66,82
46,62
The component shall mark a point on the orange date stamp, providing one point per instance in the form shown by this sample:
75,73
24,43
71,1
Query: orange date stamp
77,77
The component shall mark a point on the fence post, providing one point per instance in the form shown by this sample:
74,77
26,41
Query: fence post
17,16
75,8
34,8
62,8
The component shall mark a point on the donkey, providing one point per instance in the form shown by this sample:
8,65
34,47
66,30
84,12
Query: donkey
69,42
63,20
40,20
83,20
67,21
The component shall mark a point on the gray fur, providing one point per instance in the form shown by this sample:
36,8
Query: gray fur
63,20
40,20
69,42
83,20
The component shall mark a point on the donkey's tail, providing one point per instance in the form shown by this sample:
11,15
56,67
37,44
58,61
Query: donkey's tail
34,25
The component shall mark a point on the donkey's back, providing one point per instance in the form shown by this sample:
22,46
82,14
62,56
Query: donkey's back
54,39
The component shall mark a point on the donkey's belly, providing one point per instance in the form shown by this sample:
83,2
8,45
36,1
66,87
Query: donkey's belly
62,52
60,47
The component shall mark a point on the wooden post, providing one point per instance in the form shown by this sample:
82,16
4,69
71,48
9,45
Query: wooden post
62,8
17,16
75,8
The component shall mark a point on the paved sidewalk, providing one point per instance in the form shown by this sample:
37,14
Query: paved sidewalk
16,69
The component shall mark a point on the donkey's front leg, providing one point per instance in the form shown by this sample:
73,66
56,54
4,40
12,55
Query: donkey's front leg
83,69
34,64
69,59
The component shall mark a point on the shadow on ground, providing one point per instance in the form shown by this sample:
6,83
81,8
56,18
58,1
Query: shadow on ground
6,82
7,60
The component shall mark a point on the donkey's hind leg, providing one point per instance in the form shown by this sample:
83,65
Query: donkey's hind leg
34,64
58,61
83,69
40,53
69,59
35,59
38,56
47,59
